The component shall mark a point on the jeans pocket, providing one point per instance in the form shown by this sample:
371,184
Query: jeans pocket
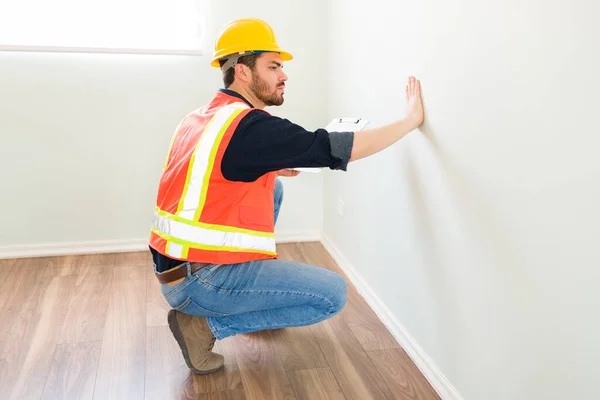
206,274
190,307
171,291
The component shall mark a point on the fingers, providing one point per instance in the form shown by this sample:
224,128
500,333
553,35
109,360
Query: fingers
288,172
413,88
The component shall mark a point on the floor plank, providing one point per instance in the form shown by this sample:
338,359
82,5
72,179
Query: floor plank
298,348
368,329
6,267
10,262
402,375
21,283
85,259
73,372
88,306
350,365
33,365
19,316
262,372
166,375
133,259
227,395
315,384
290,251
121,367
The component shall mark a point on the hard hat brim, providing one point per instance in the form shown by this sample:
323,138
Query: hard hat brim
285,56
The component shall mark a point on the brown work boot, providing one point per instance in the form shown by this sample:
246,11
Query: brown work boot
196,342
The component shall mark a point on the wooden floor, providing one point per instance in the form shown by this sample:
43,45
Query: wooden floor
95,327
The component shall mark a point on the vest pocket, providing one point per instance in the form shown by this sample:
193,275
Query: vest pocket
255,217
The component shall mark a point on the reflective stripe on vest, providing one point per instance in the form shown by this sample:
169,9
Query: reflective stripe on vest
182,231
202,161
183,235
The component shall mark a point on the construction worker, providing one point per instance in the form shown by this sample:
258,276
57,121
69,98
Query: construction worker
212,241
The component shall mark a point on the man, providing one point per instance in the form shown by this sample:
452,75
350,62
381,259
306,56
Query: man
212,239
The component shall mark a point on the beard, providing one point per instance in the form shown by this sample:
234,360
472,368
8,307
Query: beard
260,89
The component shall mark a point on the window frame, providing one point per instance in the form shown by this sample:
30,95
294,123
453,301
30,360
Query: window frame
107,50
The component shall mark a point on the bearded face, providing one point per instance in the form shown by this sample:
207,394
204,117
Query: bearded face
268,79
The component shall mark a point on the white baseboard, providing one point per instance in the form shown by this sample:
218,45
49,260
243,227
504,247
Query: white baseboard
62,249
119,246
431,372
298,236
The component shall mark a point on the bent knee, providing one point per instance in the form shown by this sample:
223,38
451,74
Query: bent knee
339,291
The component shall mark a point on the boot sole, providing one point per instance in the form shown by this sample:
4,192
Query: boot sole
174,326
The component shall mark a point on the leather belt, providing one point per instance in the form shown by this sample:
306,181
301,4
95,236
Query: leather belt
178,273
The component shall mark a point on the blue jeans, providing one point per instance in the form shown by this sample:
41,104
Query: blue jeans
258,295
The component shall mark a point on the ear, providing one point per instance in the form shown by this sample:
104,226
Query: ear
242,73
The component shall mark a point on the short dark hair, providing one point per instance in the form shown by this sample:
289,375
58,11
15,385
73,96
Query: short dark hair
229,75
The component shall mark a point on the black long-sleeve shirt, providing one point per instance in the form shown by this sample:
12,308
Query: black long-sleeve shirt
264,143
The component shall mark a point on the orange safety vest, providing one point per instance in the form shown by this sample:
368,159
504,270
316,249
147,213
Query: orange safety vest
200,216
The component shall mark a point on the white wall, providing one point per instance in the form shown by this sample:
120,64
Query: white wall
479,231
83,136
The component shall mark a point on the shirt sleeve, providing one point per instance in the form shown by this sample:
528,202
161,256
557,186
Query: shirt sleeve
264,143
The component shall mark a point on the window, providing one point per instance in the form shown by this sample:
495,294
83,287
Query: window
120,26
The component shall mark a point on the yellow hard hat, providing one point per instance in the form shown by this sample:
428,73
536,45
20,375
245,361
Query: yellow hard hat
246,35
